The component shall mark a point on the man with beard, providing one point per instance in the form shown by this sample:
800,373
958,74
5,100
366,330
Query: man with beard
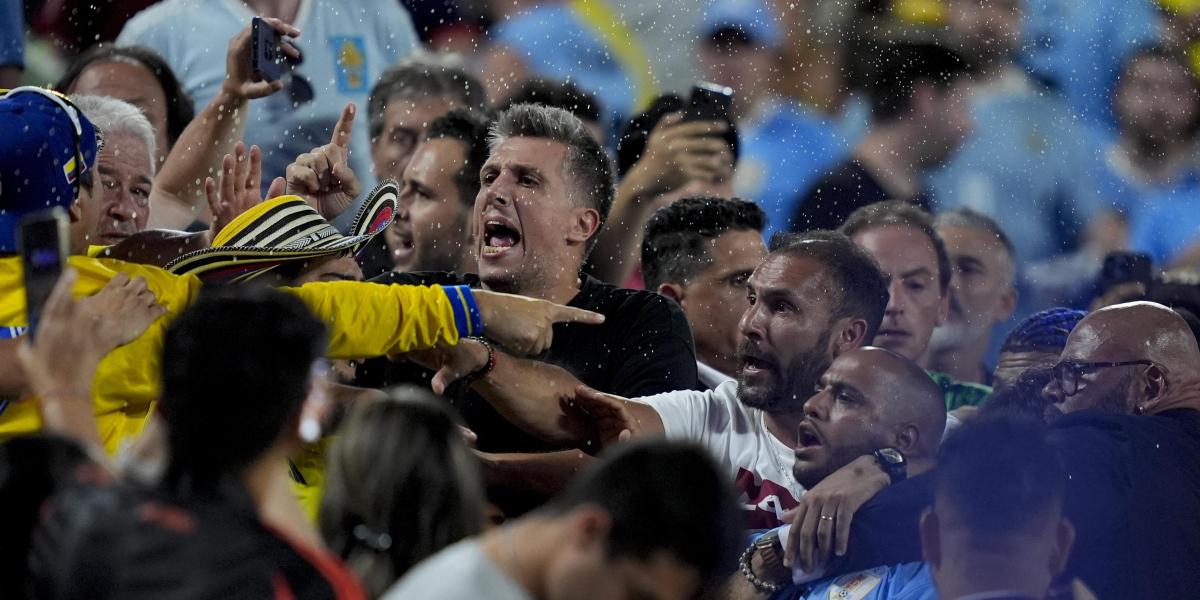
1128,392
983,294
432,227
814,298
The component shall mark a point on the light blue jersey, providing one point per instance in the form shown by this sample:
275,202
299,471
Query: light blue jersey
909,581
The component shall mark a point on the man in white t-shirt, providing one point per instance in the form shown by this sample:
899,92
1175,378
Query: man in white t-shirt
814,297
345,46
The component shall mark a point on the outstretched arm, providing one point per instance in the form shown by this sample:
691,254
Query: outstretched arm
543,399
178,196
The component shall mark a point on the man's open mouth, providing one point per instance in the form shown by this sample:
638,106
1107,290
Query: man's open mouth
807,436
498,237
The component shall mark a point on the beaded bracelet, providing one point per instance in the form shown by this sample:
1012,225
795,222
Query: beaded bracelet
487,368
755,580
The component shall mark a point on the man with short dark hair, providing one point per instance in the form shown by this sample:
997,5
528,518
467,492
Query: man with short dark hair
996,528
699,252
432,227
814,298
902,238
614,532
983,294
545,192
918,100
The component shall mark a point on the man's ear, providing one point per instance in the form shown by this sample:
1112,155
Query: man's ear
75,211
673,291
907,439
848,335
585,224
1064,540
931,545
589,526
1155,385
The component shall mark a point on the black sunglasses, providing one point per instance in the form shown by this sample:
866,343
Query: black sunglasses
1068,373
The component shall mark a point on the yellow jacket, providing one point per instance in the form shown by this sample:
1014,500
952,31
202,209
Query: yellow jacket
364,320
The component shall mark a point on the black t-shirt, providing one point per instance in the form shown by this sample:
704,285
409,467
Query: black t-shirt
643,347
1133,494
846,188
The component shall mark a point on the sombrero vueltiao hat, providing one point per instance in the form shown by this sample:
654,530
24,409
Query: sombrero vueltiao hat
285,230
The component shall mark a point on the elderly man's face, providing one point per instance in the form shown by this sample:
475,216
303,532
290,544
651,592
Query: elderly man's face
981,287
120,203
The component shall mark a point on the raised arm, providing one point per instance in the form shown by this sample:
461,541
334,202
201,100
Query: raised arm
178,196
676,153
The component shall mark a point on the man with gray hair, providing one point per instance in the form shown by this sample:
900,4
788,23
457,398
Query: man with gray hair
406,99
983,294
125,168
545,191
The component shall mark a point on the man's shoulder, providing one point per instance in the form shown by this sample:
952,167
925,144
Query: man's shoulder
460,571
600,296
1092,425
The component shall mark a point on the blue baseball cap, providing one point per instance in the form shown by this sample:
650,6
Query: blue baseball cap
46,145
753,18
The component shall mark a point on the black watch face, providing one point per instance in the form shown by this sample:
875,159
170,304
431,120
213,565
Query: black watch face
891,455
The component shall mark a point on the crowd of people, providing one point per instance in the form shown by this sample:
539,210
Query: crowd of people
913,316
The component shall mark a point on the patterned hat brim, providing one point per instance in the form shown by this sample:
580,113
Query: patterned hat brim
285,232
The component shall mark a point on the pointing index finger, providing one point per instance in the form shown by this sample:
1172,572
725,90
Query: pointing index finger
568,314
345,124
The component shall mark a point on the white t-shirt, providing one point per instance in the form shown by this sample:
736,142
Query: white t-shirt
345,44
737,436
459,572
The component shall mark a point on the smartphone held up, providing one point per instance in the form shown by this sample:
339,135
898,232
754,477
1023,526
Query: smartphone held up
43,245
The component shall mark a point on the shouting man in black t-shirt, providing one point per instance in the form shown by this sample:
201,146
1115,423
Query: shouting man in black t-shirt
545,192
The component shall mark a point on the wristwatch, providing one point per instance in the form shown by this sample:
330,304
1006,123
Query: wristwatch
892,462
770,550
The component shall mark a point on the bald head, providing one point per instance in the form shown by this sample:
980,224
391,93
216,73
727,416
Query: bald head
1138,357
909,396
1134,331
869,398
